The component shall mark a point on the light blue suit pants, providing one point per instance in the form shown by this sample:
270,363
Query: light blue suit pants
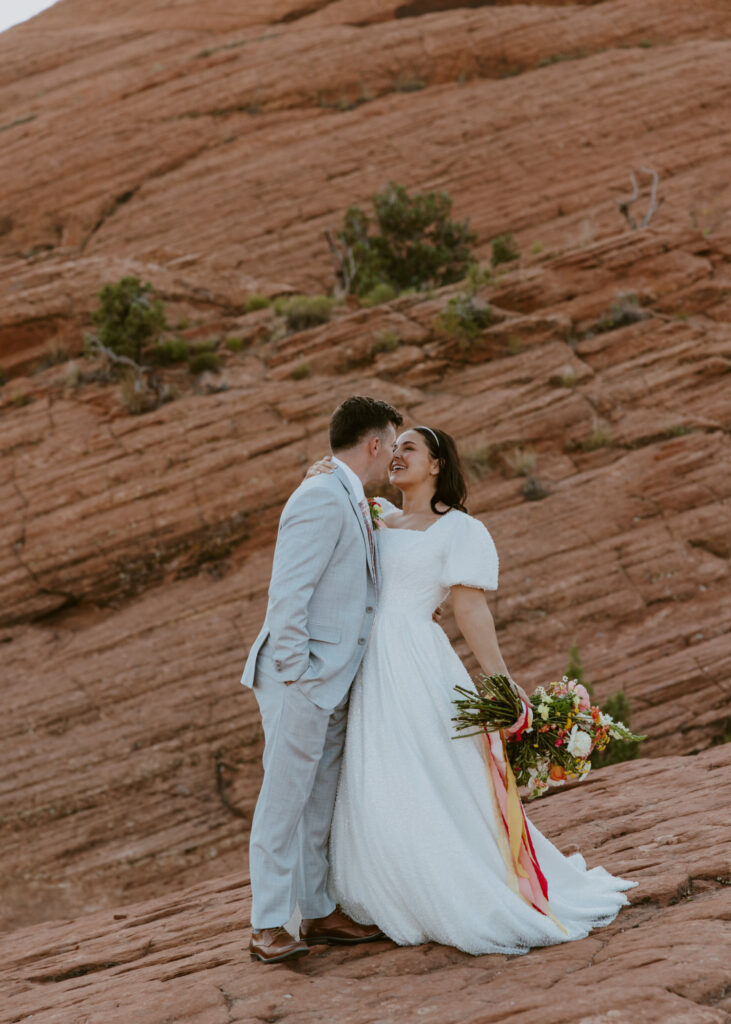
289,834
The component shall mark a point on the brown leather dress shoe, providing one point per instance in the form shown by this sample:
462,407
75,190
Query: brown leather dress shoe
273,945
338,929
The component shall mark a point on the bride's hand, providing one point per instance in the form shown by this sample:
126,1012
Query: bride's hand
528,709
323,465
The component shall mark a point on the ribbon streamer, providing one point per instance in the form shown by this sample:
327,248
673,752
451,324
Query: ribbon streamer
532,883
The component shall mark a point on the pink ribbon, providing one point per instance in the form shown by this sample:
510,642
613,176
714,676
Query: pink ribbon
532,883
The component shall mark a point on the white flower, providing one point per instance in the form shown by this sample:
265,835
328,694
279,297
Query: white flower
564,679
543,711
605,719
579,743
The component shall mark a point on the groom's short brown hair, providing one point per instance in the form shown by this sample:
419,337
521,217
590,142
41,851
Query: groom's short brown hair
358,416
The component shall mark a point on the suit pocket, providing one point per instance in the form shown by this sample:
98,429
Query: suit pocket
326,634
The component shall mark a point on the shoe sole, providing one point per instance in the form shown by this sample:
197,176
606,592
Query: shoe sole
279,959
332,940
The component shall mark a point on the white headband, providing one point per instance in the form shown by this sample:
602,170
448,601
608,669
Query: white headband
431,432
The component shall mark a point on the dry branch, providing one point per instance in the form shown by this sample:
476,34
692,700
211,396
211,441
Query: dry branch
625,204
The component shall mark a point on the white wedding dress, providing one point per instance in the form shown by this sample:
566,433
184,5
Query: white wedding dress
416,843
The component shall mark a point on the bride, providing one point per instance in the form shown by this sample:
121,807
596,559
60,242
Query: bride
418,843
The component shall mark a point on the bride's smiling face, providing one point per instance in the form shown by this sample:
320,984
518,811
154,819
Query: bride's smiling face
412,462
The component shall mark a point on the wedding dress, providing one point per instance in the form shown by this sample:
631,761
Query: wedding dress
418,845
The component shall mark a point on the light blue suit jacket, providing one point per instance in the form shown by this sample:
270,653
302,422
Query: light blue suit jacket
322,593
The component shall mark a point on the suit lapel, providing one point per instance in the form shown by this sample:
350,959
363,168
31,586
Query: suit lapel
357,509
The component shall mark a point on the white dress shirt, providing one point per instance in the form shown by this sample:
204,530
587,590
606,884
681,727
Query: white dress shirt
355,481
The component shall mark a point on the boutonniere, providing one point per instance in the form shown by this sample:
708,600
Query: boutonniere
376,511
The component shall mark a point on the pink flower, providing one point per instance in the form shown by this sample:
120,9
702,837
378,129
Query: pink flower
584,698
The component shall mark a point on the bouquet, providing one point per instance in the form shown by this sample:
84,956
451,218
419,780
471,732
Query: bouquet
552,739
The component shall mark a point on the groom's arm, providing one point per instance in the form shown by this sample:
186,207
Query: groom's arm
308,532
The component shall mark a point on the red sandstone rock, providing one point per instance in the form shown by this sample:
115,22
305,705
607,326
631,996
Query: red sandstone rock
135,551
664,958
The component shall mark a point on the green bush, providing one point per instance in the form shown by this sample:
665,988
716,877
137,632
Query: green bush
600,437
624,310
164,353
128,317
464,319
256,302
202,359
504,250
303,311
385,341
378,295
234,344
533,489
301,371
416,244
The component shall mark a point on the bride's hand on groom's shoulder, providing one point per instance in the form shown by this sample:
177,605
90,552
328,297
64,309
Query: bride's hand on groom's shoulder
323,465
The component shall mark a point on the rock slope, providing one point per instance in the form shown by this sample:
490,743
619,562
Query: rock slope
135,550
664,960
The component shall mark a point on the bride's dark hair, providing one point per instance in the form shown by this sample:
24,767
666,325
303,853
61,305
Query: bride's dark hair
451,489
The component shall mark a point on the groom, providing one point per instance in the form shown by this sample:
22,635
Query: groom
322,598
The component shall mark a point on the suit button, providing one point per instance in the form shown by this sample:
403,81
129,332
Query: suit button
369,609
361,640
277,664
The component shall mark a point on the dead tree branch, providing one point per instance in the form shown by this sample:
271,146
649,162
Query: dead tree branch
344,265
654,204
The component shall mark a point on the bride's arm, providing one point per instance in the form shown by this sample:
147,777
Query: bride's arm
476,624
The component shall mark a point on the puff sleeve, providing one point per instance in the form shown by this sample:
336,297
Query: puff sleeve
470,556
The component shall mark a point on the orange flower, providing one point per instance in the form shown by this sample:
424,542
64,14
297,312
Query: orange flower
557,773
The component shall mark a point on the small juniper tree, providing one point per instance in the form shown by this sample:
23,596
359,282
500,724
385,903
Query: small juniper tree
128,317
417,244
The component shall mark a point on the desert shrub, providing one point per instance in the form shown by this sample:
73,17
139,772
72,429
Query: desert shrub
55,352
504,250
379,294
164,353
464,318
417,245
385,341
303,311
409,83
204,358
128,317
522,461
624,310
619,707
533,489
255,302
301,371
136,398
600,437
234,344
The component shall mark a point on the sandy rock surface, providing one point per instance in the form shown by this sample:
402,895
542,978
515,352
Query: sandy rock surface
664,958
